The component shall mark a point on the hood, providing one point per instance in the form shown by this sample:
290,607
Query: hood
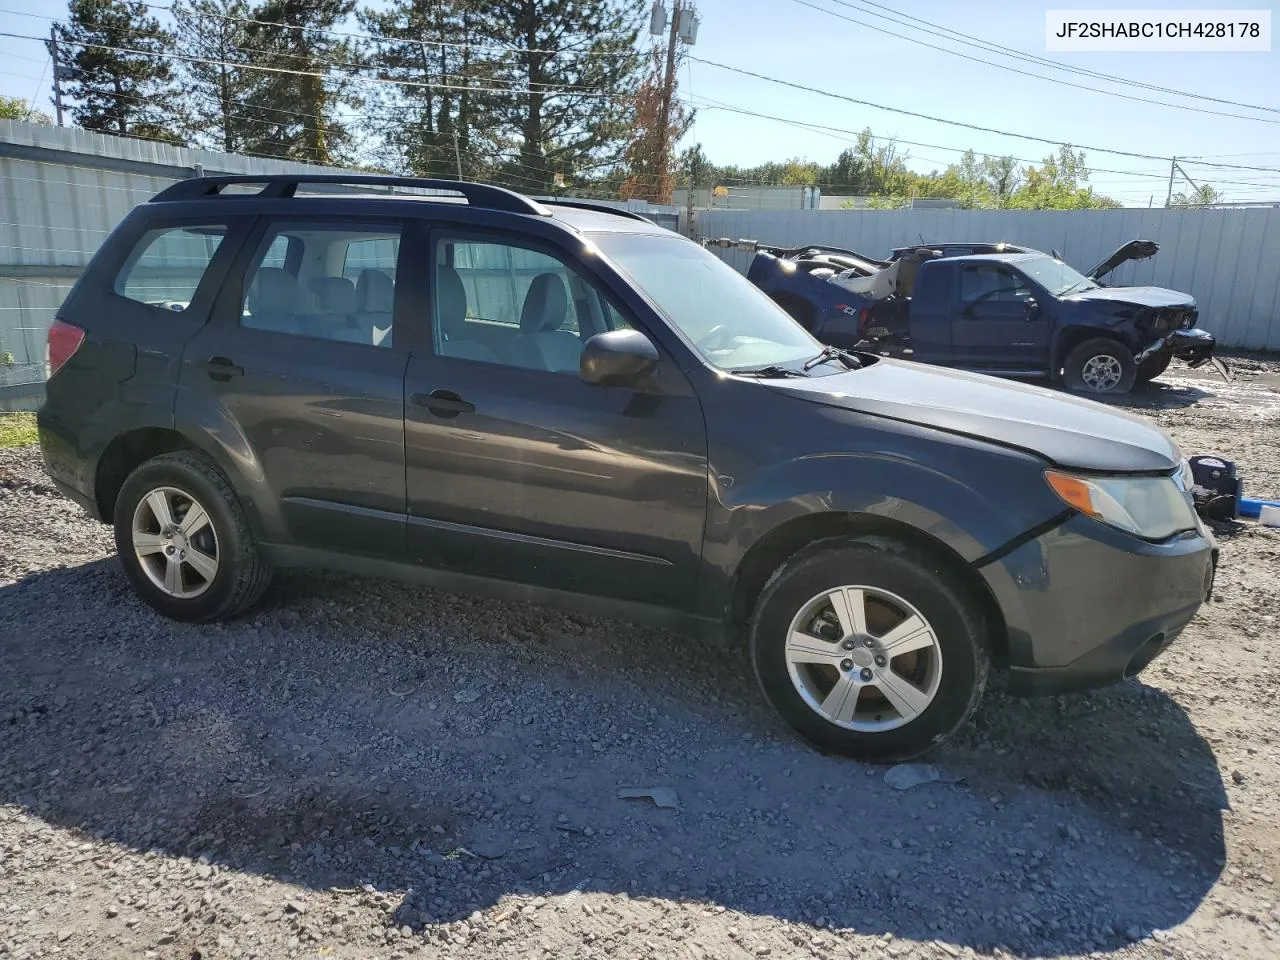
1067,431
1133,250
1142,296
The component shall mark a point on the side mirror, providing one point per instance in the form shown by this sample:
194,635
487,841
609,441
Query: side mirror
617,358
1033,308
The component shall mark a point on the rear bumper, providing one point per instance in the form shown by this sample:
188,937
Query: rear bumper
1086,605
68,467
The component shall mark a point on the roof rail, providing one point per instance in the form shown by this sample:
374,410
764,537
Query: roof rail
597,207
286,185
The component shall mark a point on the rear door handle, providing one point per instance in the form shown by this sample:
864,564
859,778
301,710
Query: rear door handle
222,369
443,403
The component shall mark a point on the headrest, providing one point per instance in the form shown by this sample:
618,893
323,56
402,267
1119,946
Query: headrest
546,305
375,292
274,291
451,299
334,294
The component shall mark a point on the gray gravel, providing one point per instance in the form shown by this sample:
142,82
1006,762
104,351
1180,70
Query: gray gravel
365,769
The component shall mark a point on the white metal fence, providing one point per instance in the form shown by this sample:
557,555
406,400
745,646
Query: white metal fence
1229,260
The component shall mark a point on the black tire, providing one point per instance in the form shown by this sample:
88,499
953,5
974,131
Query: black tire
242,572
1153,366
919,578
1100,350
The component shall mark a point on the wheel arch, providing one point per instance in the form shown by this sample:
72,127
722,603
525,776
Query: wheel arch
793,536
124,454
1072,337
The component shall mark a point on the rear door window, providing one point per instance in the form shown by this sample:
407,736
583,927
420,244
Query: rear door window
168,263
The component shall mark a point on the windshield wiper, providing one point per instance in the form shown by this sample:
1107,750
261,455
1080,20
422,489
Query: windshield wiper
1073,286
769,371
834,353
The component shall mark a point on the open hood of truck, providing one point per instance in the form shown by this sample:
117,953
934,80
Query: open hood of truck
1133,250
1066,431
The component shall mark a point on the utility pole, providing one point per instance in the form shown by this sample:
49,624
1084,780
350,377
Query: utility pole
57,70
1173,165
684,27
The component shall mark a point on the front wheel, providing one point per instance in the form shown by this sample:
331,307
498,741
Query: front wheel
184,541
1153,366
869,648
1100,365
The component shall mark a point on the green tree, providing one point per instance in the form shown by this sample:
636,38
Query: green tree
117,81
587,47
1202,196
430,127
1059,184
16,108
296,112
217,95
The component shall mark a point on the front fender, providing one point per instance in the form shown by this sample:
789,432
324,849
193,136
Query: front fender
967,496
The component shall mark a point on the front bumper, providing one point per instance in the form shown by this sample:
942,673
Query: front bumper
1086,605
1194,345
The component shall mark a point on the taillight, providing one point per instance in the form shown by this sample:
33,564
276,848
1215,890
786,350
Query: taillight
64,340
864,318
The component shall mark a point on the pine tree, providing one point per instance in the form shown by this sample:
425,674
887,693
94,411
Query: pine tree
118,84
217,95
295,113
589,45
429,127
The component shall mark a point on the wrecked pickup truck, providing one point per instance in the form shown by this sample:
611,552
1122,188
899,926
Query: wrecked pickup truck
989,307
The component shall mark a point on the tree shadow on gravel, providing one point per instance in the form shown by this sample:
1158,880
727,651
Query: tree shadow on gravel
447,752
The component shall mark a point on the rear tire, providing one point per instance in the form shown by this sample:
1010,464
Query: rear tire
1100,366
833,674
184,541
1153,366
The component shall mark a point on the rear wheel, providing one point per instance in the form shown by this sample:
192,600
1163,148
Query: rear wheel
1101,365
1153,366
184,541
869,648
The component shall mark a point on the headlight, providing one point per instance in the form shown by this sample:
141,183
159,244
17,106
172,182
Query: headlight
1149,507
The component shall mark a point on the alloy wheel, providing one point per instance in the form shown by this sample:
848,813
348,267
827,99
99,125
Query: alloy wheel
863,658
1101,373
175,543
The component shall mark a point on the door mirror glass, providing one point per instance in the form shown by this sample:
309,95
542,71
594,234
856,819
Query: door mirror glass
618,358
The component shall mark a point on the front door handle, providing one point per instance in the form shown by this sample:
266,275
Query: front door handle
222,369
443,403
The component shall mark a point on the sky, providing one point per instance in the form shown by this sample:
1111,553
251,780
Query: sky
792,41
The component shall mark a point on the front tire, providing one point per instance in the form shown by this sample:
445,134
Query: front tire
184,541
1153,366
869,648
1101,366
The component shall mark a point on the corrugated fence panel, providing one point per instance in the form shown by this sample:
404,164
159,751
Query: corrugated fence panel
1228,259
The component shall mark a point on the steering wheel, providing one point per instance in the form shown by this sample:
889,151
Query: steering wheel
720,332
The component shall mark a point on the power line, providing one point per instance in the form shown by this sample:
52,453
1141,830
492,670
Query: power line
325,76
897,16
955,123
1026,73
374,37
835,132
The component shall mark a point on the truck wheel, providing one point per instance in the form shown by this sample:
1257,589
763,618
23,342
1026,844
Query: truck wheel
1101,365
869,648
184,541
1153,366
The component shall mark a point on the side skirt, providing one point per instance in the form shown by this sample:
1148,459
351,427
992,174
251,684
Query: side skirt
686,624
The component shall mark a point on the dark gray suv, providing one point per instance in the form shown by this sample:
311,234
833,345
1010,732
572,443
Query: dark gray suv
462,386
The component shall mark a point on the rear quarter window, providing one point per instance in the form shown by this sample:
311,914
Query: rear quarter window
167,265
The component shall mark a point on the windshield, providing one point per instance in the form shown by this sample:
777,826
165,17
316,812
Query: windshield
727,319
1054,275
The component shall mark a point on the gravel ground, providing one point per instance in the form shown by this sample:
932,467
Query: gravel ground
365,769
